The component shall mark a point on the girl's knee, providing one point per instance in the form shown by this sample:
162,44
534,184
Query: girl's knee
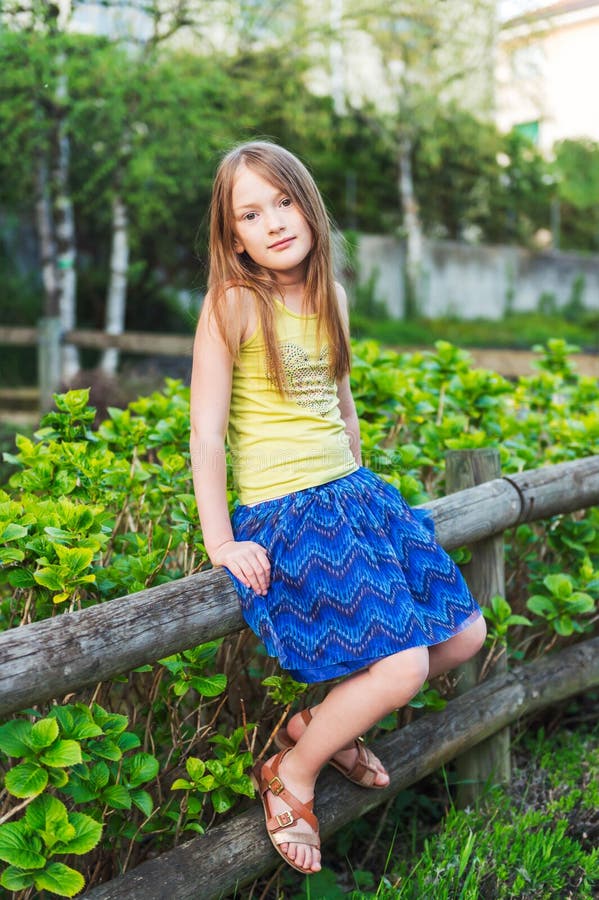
475,635
402,675
470,640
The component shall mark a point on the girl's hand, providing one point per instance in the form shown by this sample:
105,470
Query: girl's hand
248,561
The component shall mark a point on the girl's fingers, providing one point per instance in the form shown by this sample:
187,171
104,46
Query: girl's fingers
256,571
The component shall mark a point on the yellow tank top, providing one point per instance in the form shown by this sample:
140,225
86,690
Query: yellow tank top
283,444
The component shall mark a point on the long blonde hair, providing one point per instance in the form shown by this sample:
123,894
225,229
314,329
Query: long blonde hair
229,268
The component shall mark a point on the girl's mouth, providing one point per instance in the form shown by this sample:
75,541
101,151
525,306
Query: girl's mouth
280,245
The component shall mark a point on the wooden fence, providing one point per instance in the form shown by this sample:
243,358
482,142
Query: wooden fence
48,337
56,656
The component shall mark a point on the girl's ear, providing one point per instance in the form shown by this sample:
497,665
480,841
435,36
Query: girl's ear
238,246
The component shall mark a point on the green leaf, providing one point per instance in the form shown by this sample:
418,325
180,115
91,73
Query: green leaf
21,578
74,559
12,532
14,879
20,849
14,738
57,777
580,603
28,779
10,555
87,835
564,626
518,620
559,585
60,879
99,776
127,741
49,577
43,733
46,813
141,768
221,800
62,753
541,606
64,714
195,768
111,723
209,686
181,784
105,749
143,801
117,796
500,607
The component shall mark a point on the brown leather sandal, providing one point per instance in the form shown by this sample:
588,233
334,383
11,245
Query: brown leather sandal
265,778
364,770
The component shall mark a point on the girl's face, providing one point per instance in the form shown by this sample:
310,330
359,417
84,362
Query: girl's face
269,226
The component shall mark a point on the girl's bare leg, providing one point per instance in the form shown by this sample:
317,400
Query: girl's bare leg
442,658
348,710
462,646
353,706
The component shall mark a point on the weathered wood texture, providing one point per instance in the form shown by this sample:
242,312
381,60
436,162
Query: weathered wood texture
73,650
233,854
143,342
55,656
18,335
489,761
480,512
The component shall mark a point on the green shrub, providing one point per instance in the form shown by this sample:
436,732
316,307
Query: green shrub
90,514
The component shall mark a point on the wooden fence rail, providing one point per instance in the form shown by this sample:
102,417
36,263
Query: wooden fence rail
53,657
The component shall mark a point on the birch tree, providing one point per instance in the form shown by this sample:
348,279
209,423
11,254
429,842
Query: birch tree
42,29
426,51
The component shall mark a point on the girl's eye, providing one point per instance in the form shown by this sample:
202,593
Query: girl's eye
249,217
286,201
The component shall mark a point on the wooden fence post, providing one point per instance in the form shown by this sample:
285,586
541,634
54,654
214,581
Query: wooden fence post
48,360
489,761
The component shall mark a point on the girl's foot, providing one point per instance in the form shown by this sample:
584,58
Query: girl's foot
355,761
287,798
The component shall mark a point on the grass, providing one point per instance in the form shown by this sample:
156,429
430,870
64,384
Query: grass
516,331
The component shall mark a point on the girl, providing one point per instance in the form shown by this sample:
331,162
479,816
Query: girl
335,572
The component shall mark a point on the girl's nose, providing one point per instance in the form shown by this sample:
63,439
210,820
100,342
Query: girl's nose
275,225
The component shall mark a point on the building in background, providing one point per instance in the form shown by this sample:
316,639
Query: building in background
547,62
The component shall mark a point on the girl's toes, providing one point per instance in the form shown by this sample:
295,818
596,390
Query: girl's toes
382,778
300,856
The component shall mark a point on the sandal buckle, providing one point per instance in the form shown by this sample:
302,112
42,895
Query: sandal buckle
284,819
276,786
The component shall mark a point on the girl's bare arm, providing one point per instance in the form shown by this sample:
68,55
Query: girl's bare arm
347,407
210,399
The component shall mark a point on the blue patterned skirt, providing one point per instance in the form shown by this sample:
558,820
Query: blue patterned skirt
356,575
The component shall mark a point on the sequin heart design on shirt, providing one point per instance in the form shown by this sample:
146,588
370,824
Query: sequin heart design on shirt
308,383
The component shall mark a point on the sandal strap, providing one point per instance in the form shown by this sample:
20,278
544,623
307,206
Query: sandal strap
364,769
306,715
296,837
270,781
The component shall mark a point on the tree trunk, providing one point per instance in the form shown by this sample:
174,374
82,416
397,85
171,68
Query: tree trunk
117,286
45,236
64,221
413,227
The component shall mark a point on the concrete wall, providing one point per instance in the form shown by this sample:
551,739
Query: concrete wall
471,281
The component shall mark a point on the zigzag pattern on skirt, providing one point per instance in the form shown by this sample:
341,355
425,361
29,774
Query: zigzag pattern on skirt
356,575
